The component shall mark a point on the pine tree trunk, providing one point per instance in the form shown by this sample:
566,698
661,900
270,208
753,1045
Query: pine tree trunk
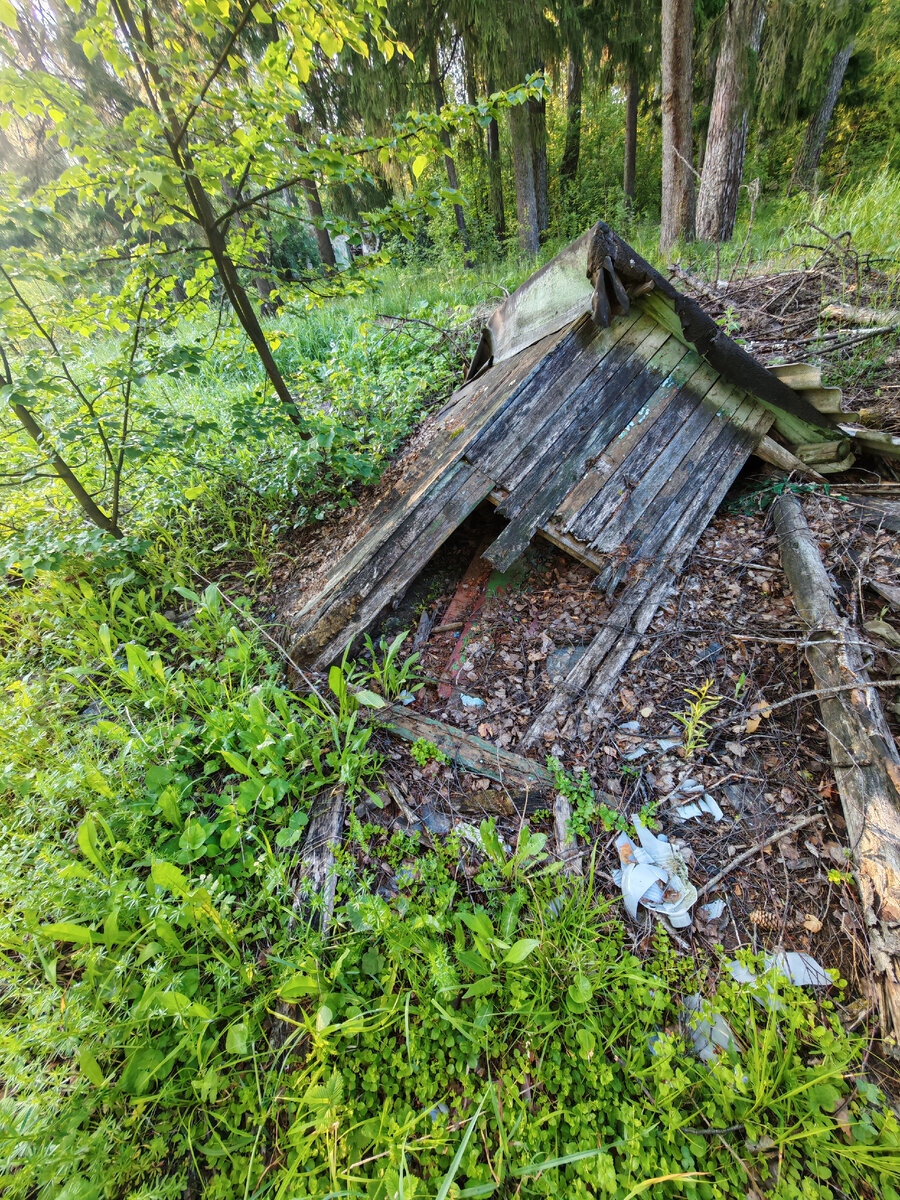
523,167
677,87
437,89
495,175
729,119
817,130
632,92
316,216
537,112
568,167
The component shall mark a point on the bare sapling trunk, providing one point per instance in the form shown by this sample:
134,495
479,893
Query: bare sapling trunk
568,167
677,87
863,753
213,228
437,89
632,92
819,123
726,141
65,474
523,168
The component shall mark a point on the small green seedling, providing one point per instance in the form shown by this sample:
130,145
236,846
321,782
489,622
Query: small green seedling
424,752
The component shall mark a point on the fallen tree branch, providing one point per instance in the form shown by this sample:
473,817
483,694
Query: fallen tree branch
864,756
740,859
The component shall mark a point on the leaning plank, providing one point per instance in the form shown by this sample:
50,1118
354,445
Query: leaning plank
863,752
776,455
592,678
389,574
520,776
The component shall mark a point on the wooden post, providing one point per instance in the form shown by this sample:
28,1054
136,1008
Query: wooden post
863,753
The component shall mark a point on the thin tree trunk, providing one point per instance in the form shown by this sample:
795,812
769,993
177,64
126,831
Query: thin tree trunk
65,474
437,89
141,51
495,175
537,114
817,130
257,259
726,142
677,86
568,167
523,167
632,93
316,216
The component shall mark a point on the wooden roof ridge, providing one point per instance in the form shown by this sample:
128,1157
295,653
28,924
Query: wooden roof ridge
618,274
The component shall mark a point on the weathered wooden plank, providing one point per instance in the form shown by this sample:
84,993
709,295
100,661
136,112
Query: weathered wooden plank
535,427
645,450
598,669
540,495
547,446
318,878
409,553
615,516
708,470
633,435
521,776
698,327
341,602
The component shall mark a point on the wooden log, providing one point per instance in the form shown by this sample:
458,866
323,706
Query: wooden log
522,777
863,753
776,455
858,314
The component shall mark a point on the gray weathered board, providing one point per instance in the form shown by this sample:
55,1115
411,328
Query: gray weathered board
617,444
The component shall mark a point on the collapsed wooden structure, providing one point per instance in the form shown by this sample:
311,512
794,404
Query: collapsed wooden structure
604,411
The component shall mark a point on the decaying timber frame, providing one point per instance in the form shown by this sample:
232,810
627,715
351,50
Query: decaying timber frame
603,411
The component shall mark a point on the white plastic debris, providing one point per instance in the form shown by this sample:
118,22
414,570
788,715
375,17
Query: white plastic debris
707,804
470,834
471,701
654,875
708,1030
713,910
800,969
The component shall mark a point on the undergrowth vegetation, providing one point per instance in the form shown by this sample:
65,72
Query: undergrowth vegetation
496,1041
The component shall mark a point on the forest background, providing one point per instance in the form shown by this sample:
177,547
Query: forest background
243,250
